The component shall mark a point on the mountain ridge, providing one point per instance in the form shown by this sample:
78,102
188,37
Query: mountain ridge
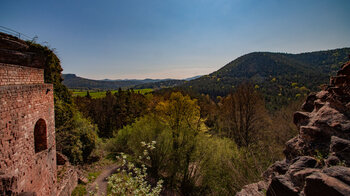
279,76
73,81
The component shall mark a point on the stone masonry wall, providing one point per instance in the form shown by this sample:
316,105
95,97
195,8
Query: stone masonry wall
14,74
28,162
68,182
21,106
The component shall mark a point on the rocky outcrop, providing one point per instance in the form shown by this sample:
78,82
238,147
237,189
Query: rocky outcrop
317,161
17,52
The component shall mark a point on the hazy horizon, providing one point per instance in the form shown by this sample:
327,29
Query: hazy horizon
154,78
113,79
176,39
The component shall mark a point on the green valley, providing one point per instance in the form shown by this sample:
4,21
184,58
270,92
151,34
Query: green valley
101,94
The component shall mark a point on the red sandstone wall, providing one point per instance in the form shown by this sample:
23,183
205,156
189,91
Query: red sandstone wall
13,74
68,182
21,106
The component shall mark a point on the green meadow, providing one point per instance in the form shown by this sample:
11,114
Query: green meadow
100,94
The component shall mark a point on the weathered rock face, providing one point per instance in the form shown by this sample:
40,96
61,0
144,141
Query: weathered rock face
15,51
318,159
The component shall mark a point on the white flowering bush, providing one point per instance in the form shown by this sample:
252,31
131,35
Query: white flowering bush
131,180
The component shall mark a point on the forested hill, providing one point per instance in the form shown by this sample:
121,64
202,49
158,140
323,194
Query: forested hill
76,82
279,76
73,81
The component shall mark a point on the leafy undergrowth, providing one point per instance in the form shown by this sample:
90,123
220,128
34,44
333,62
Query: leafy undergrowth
80,190
93,175
101,159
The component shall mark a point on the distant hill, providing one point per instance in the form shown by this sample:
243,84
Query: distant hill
167,83
161,84
192,78
279,76
73,81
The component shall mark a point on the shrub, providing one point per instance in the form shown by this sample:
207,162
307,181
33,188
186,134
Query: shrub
79,142
132,181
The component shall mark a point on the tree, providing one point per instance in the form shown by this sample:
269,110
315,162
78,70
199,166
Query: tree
114,111
88,95
79,141
182,115
180,112
243,115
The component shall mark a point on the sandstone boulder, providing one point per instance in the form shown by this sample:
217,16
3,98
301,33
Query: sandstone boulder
317,159
341,149
308,106
332,160
298,178
278,168
322,184
281,185
339,172
255,189
301,163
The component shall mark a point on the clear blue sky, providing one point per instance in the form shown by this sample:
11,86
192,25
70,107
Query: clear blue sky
174,38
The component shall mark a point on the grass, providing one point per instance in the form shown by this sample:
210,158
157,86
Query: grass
80,190
93,175
101,94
